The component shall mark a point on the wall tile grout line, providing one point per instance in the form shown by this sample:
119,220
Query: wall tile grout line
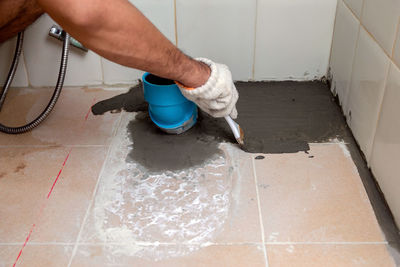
333,38
376,41
93,194
351,10
391,60
259,212
253,70
175,24
25,68
396,36
378,115
102,71
347,96
371,35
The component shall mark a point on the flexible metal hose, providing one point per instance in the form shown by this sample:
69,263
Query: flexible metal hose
54,98
13,68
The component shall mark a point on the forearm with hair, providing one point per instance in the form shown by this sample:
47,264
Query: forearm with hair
16,15
118,31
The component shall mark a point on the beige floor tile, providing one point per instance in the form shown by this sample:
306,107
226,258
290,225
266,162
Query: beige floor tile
329,255
212,203
243,224
234,255
314,197
66,124
36,255
26,177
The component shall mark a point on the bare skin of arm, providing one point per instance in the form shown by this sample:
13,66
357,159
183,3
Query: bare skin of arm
118,31
16,15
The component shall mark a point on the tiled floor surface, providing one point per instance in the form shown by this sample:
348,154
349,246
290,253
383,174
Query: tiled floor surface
69,198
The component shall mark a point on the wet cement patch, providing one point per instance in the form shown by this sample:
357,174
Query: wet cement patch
131,101
284,117
277,117
157,151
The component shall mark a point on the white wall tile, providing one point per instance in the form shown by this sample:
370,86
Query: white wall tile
355,6
221,30
43,54
343,49
396,52
118,74
161,14
366,91
386,153
293,38
7,50
381,19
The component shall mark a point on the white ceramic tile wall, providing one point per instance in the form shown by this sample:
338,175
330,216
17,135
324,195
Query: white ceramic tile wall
375,122
161,13
366,91
290,44
343,50
43,53
293,39
7,50
355,6
118,74
221,30
385,161
381,19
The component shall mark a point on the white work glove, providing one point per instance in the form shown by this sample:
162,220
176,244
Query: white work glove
218,96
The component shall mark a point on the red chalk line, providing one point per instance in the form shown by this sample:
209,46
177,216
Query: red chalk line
50,192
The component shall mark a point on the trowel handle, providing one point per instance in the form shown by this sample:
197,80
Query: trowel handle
234,126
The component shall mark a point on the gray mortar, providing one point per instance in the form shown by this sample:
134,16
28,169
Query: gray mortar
158,151
277,117
131,101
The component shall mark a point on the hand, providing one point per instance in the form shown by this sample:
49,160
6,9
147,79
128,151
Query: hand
218,96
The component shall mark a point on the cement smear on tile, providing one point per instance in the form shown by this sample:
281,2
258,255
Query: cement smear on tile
137,208
131,101
277,117
158,151
280,117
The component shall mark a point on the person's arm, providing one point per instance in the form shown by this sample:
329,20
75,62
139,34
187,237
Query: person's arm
16,15
118,31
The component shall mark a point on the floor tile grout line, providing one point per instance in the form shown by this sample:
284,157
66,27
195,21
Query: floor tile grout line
106,145
259,212
50,146
330,143
38,244
94,194
328,243
196,244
